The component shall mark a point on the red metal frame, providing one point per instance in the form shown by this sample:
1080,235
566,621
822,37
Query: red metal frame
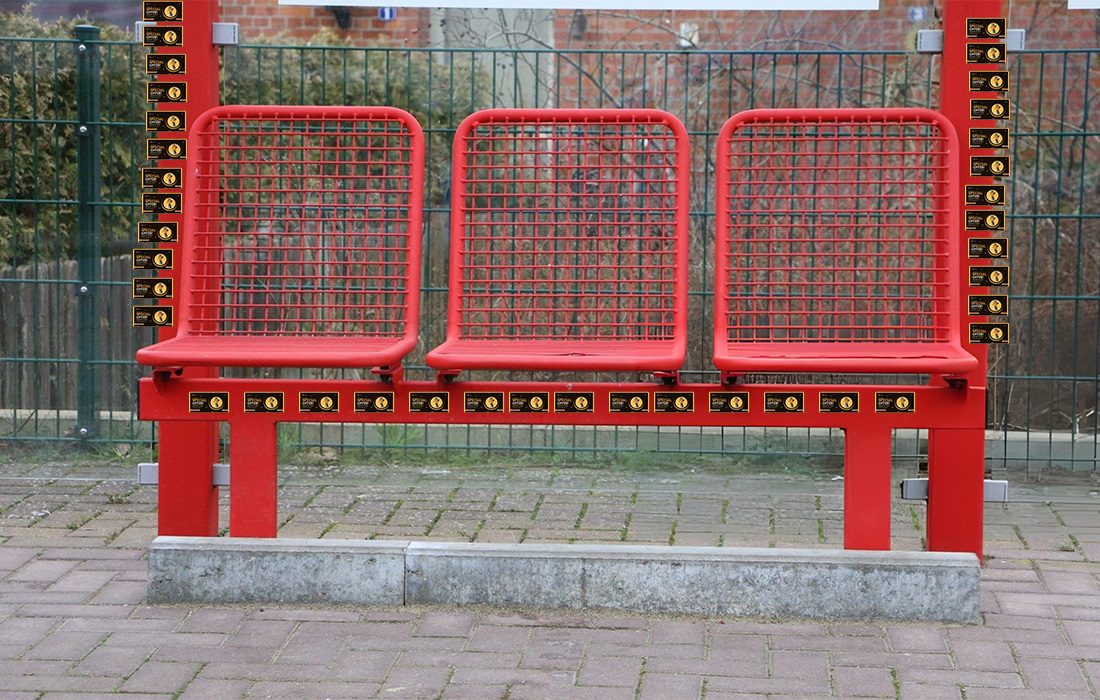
301,239
569,236
832,227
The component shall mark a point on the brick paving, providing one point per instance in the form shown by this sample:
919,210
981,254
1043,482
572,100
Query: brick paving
74,624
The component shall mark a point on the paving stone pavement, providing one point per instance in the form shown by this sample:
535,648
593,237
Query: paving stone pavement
73,621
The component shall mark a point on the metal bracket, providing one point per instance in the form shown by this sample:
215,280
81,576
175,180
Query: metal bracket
148,474
996,490
931,40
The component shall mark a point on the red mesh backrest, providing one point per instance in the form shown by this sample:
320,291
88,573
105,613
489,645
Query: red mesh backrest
307,222
569,224
835,226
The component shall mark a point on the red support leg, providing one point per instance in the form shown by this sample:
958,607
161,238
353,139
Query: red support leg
187,500
253,478
867,453
956,489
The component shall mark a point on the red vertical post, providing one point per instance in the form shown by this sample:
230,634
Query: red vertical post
867,490
956,457
187,500
253,479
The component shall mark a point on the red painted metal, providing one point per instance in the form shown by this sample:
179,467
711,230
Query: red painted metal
569,234
187,502
867,486
253,480
302,239
834,227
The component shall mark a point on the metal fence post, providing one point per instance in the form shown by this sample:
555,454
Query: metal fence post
89,166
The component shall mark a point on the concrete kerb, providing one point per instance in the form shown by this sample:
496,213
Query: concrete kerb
763,583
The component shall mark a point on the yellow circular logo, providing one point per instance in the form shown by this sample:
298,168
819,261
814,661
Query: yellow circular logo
165,233
381,403
160,259
791,403
995,248
993,53
170,36
174,149
995,305
997,138
169,12
992,221
173,64
168,179
996,82
681,403
173,122
846,403
996,333
435,403
997,166
174,92
581,403
736,403
169,204
326,403
902,403
160,316
535,403
271,403
996,277
993,29
160,289
216,403
997,109
636,403
992,196
491,403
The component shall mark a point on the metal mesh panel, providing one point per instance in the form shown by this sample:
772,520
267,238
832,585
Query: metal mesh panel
305,223
835,228
568,226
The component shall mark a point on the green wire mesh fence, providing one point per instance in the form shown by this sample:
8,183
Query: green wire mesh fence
1043,387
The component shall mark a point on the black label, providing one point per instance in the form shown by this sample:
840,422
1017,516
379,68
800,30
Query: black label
629,402
573,402
152,259
152,287
990,166
166,92
989,138
987,247
483,401
208,402
729,402
838,402
988,80
318,402
263,402
158,231
987,304
161,36
156,316
985,28
674,402
529,401
989,109
165,121
374,402
166,149
988,333
429,402
166,64
985,53
784,402
161,203
988,220
161,177
162,10
995,276
984,194
895,402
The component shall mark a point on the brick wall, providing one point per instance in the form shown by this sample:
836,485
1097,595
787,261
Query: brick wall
260,18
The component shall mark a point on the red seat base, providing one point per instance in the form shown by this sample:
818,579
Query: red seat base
847,358
275,351
560,355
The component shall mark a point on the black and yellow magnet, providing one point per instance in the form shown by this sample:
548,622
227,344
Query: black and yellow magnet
373,402
429,402
987,305
729,401
674,402
157,120
628,402
528,401
208,402
166,64
483,402
161,202
989,276
984,220
990,166
151,259
318,401
166,149
895,402
838,402
574,402
263,402
161,177
989,81
152,287
161,36
784,402
984,194
161,91
158,232
152,316
985,53
988,333
987,248
985,27
989,138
